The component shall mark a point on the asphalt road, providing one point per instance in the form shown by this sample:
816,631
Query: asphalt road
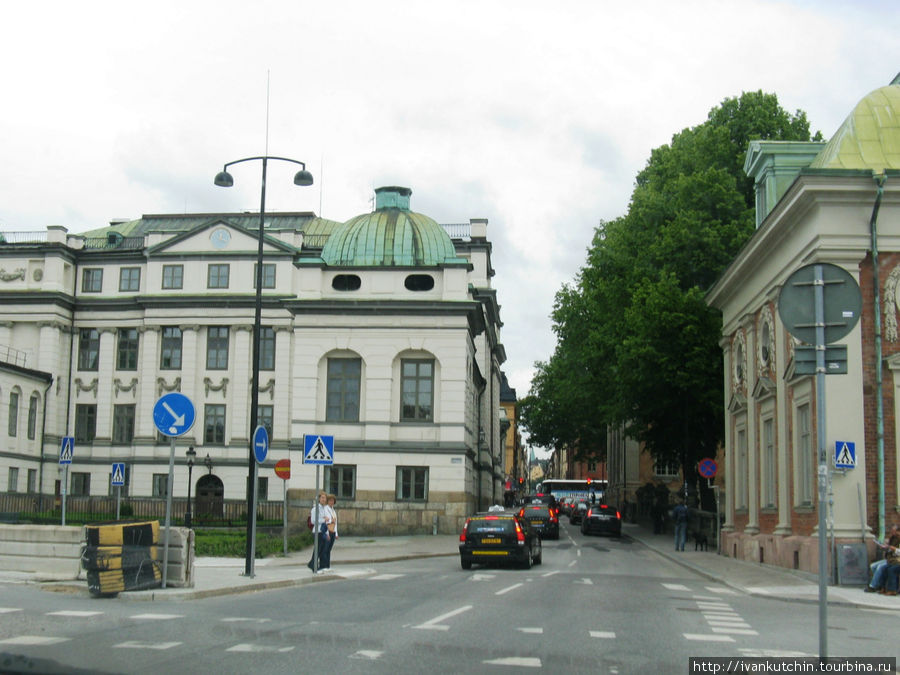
595,605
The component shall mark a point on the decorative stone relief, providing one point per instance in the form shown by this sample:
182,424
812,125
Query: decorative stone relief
38,274
891,305
161,385
738,361
81,386
765,341
222,386
117,383
19,273
269,387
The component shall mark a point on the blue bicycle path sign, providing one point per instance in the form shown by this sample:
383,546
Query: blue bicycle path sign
173,414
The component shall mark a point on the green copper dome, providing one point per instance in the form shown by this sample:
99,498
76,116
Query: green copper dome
392,235
869,138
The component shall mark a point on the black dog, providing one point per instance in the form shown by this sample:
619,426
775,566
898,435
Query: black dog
700,541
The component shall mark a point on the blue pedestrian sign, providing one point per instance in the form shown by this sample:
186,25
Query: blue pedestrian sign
844,455
260,444
66,450
318,449
173,414
118,474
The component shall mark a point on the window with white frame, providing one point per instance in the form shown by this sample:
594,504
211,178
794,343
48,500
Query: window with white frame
217,348
91,280
217,275
342,403
12,484
170,353
13,419
266,348
129,279
172,277
127,349
340,480
417,390
668,468
123,423
88,349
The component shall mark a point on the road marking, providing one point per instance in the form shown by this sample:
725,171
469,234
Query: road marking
533,631
735,631
482,577
433,623
585,581
137,644
723,591
573,563
73,612
386,577
676,587
605,634
707,638
578,552
521,661
249,648
236,619
508,589
713,606
550,574
722,617
368,654
7,610
721,623
157,617
34,640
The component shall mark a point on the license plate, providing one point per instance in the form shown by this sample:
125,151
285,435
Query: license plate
490,541
537,523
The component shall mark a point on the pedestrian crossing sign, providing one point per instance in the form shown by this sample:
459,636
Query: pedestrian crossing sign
318,449
66,450
118,474
844,455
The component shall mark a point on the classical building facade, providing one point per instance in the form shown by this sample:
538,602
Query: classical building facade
836,203
383,331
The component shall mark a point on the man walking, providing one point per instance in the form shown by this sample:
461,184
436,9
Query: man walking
680,516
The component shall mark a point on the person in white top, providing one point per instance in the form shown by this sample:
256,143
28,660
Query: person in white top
320,515
332,526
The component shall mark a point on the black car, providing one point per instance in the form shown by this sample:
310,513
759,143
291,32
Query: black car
579,508
498,537
542,518
602,519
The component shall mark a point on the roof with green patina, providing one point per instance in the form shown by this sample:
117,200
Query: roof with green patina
870,136
299,221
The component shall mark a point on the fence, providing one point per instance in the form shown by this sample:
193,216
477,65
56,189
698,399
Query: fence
37,508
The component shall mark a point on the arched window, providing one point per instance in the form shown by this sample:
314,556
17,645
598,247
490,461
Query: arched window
346,282
32,416
419,282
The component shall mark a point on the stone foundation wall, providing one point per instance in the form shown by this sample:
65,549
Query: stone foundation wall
791,552
377,513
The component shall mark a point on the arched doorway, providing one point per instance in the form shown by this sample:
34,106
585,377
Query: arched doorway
210,499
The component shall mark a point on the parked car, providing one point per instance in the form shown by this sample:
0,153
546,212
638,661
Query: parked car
579,508
497,538
602,519
542,518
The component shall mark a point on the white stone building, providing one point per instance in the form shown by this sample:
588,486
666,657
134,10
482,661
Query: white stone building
383,332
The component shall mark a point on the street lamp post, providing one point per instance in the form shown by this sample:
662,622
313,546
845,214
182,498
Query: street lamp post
224,179
191,453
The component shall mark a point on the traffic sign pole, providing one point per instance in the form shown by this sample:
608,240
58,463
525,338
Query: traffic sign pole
65,482
171,480
819,287
284,514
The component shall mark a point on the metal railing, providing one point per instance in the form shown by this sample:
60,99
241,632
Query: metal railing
14,356
109,242
23,237
32,507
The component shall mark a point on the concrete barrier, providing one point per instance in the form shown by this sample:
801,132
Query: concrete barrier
48,551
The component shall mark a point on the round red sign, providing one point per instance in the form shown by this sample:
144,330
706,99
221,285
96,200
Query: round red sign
283,468
707,467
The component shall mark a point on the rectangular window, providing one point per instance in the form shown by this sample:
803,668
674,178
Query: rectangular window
412,483
91,280
173,277
268,275
217,276
343,390
160,484
170,355
214,425
81,485
340,480
666,467
417,386
742,476
129,279
88,349
85,422
217,348
123,423
32,416
262,488
805,465
113,490
266,348
769,463
32,481
12,483
266,418
127,349
13,425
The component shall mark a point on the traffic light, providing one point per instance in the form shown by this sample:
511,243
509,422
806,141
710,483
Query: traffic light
589,480
521,481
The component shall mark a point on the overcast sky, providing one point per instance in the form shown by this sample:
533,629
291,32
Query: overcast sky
535,115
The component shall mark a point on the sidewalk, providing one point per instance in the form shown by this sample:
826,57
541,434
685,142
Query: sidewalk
355,557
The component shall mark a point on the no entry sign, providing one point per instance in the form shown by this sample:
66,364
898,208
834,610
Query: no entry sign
283,468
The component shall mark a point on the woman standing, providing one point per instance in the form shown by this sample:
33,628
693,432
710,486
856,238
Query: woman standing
319,517
332,525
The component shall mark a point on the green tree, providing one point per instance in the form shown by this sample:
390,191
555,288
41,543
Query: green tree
636,343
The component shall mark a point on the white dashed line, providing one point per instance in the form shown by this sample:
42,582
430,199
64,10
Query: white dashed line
157,617
723,591
508,589
533,631
521,661
137,644
367,654
34,640
9,610
73,612
550,574
734,631
676,587
385,577
605,634
248,648
707,638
